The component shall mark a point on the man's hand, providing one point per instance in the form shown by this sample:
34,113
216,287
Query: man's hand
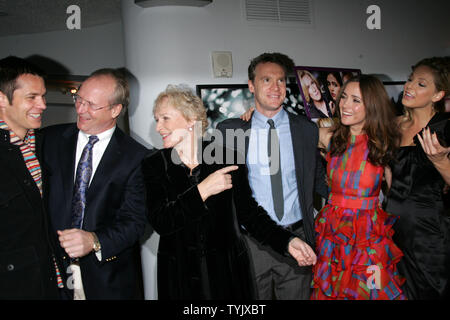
248,114
302,252
76,242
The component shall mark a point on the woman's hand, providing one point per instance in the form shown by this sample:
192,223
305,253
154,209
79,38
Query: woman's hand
248,114
432,147
437,154
216,182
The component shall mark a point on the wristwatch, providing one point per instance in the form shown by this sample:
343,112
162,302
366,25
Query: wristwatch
97,246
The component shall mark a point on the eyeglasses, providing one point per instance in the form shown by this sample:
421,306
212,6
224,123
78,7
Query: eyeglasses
79,101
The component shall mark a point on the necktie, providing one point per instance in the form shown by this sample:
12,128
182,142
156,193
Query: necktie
273,144
82,178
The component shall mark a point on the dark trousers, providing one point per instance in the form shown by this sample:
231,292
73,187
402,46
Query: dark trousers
279,277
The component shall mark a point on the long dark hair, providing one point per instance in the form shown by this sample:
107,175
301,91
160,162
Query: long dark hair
380,125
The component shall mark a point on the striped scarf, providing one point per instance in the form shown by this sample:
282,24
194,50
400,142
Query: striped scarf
28,148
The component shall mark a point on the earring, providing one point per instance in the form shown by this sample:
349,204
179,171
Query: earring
190,128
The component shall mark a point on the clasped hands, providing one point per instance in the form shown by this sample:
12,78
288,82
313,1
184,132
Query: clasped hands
302,252
76,242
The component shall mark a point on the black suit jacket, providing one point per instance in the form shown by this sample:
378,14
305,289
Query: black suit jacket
201,253
115,209
310,172
26,266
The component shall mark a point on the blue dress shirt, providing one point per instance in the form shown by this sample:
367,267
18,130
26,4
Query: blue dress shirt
258,167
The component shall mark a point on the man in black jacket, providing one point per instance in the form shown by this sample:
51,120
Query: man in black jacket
99,217
286,190
27,269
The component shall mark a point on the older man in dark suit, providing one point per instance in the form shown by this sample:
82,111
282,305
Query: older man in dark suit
285,190
96,194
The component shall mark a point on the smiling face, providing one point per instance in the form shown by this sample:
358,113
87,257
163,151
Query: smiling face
27,105
269,88
333,86
171,124
420,90
352,109
313,89
97,90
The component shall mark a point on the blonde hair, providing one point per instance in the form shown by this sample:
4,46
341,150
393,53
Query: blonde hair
303,73
184,100
326,122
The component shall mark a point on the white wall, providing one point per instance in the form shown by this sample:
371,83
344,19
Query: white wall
173,45
80,51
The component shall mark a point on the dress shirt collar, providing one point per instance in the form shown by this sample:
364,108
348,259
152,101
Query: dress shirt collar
101,136
260,120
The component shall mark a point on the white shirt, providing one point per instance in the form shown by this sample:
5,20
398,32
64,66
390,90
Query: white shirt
97,151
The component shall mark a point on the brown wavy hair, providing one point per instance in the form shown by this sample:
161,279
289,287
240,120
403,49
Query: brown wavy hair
380,124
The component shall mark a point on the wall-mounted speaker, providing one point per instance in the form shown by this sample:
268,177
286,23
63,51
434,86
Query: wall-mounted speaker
222,64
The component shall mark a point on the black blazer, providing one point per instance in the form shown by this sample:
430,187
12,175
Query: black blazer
201,253
115,209
310,172
26,266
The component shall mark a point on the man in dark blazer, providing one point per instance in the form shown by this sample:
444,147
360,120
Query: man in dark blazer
302,173
103,253
27,269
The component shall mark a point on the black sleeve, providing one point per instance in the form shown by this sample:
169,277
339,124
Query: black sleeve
165,215
254,218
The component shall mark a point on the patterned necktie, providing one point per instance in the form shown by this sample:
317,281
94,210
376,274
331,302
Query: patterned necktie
275,170
83,176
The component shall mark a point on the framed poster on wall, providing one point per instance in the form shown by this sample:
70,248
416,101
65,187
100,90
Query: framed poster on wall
223,101
319,87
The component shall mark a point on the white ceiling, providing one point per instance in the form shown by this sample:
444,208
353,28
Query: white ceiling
31,16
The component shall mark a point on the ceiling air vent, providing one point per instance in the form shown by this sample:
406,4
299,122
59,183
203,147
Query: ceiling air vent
281,11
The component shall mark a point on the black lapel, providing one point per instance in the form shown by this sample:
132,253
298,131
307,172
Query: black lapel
44,169
247,125
109,162
297,131
66,153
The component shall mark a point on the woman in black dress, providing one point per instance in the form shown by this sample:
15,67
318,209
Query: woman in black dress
419,176
197,202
